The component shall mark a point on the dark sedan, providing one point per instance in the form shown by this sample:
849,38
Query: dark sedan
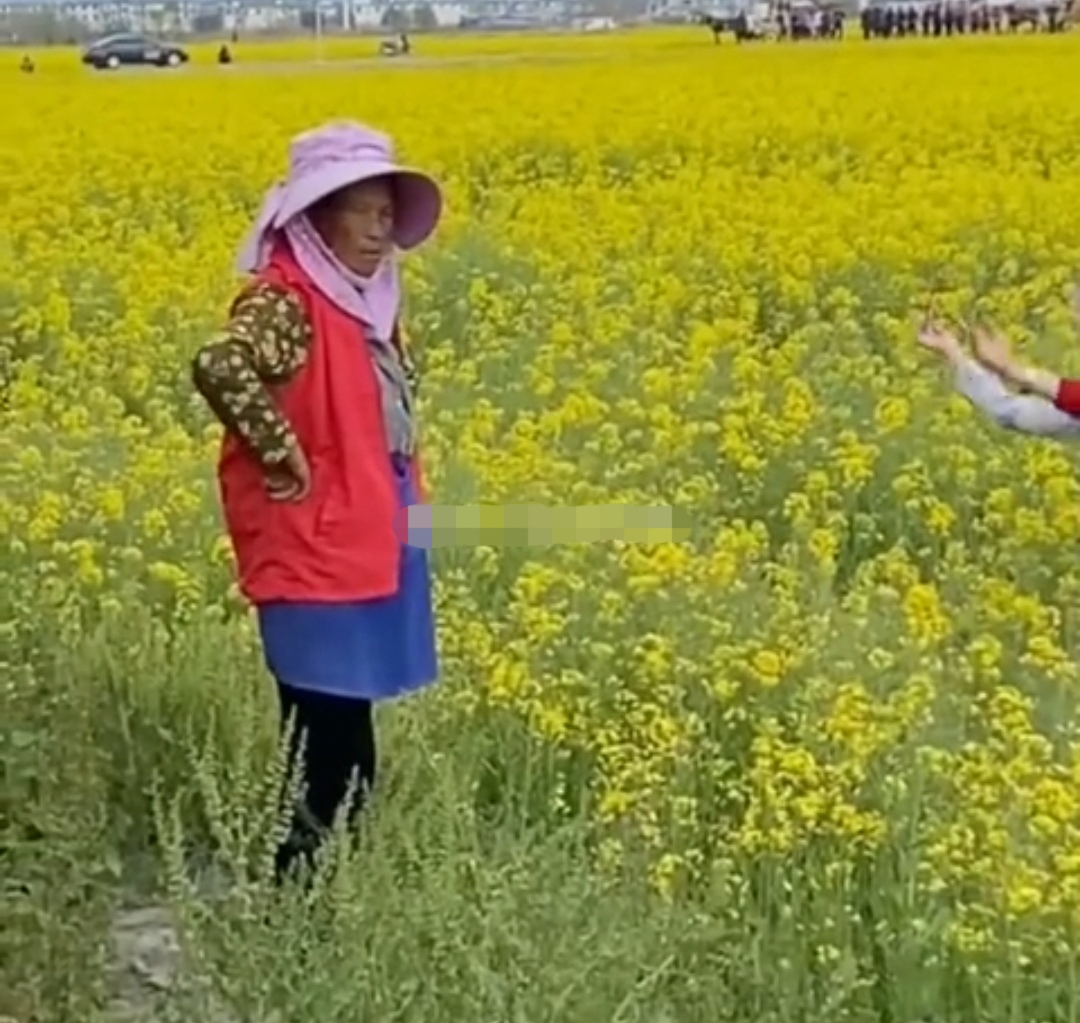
128,49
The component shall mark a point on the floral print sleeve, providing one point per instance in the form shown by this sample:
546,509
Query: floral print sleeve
265,342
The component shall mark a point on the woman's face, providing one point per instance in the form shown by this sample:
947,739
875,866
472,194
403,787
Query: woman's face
357,224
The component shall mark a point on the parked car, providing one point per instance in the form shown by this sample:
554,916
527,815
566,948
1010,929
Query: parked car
130,49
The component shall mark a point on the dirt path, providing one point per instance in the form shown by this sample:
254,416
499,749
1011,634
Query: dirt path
411,63
146,960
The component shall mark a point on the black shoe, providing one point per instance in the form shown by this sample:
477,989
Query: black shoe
295,857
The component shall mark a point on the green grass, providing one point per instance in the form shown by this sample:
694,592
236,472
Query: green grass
137,765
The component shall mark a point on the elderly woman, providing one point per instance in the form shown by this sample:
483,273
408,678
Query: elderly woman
315,389
991,380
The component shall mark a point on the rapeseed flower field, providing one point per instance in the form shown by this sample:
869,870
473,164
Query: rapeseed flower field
821,761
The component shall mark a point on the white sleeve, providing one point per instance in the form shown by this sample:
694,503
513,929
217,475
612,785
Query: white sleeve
1024,413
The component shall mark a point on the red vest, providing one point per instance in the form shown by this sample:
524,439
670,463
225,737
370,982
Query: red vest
338,544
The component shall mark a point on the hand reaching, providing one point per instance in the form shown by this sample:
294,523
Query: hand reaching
935,336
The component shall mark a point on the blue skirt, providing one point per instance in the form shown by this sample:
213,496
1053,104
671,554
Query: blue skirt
372,649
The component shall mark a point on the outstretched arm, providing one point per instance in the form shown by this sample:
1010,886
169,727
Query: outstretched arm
983,384
995,352
1024,413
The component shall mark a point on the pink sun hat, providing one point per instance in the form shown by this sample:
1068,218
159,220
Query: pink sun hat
329,158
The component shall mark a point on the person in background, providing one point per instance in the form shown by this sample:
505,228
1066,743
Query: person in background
26,66
315,388
992,379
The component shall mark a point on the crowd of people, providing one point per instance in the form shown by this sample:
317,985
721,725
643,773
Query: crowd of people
818,24
805,22
947,19
805,19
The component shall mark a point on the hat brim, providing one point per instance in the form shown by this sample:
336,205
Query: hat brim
417,198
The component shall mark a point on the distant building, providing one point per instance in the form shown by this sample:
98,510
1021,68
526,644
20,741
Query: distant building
688,10
181,17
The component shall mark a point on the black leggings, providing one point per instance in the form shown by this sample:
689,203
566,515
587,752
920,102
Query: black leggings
339,747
